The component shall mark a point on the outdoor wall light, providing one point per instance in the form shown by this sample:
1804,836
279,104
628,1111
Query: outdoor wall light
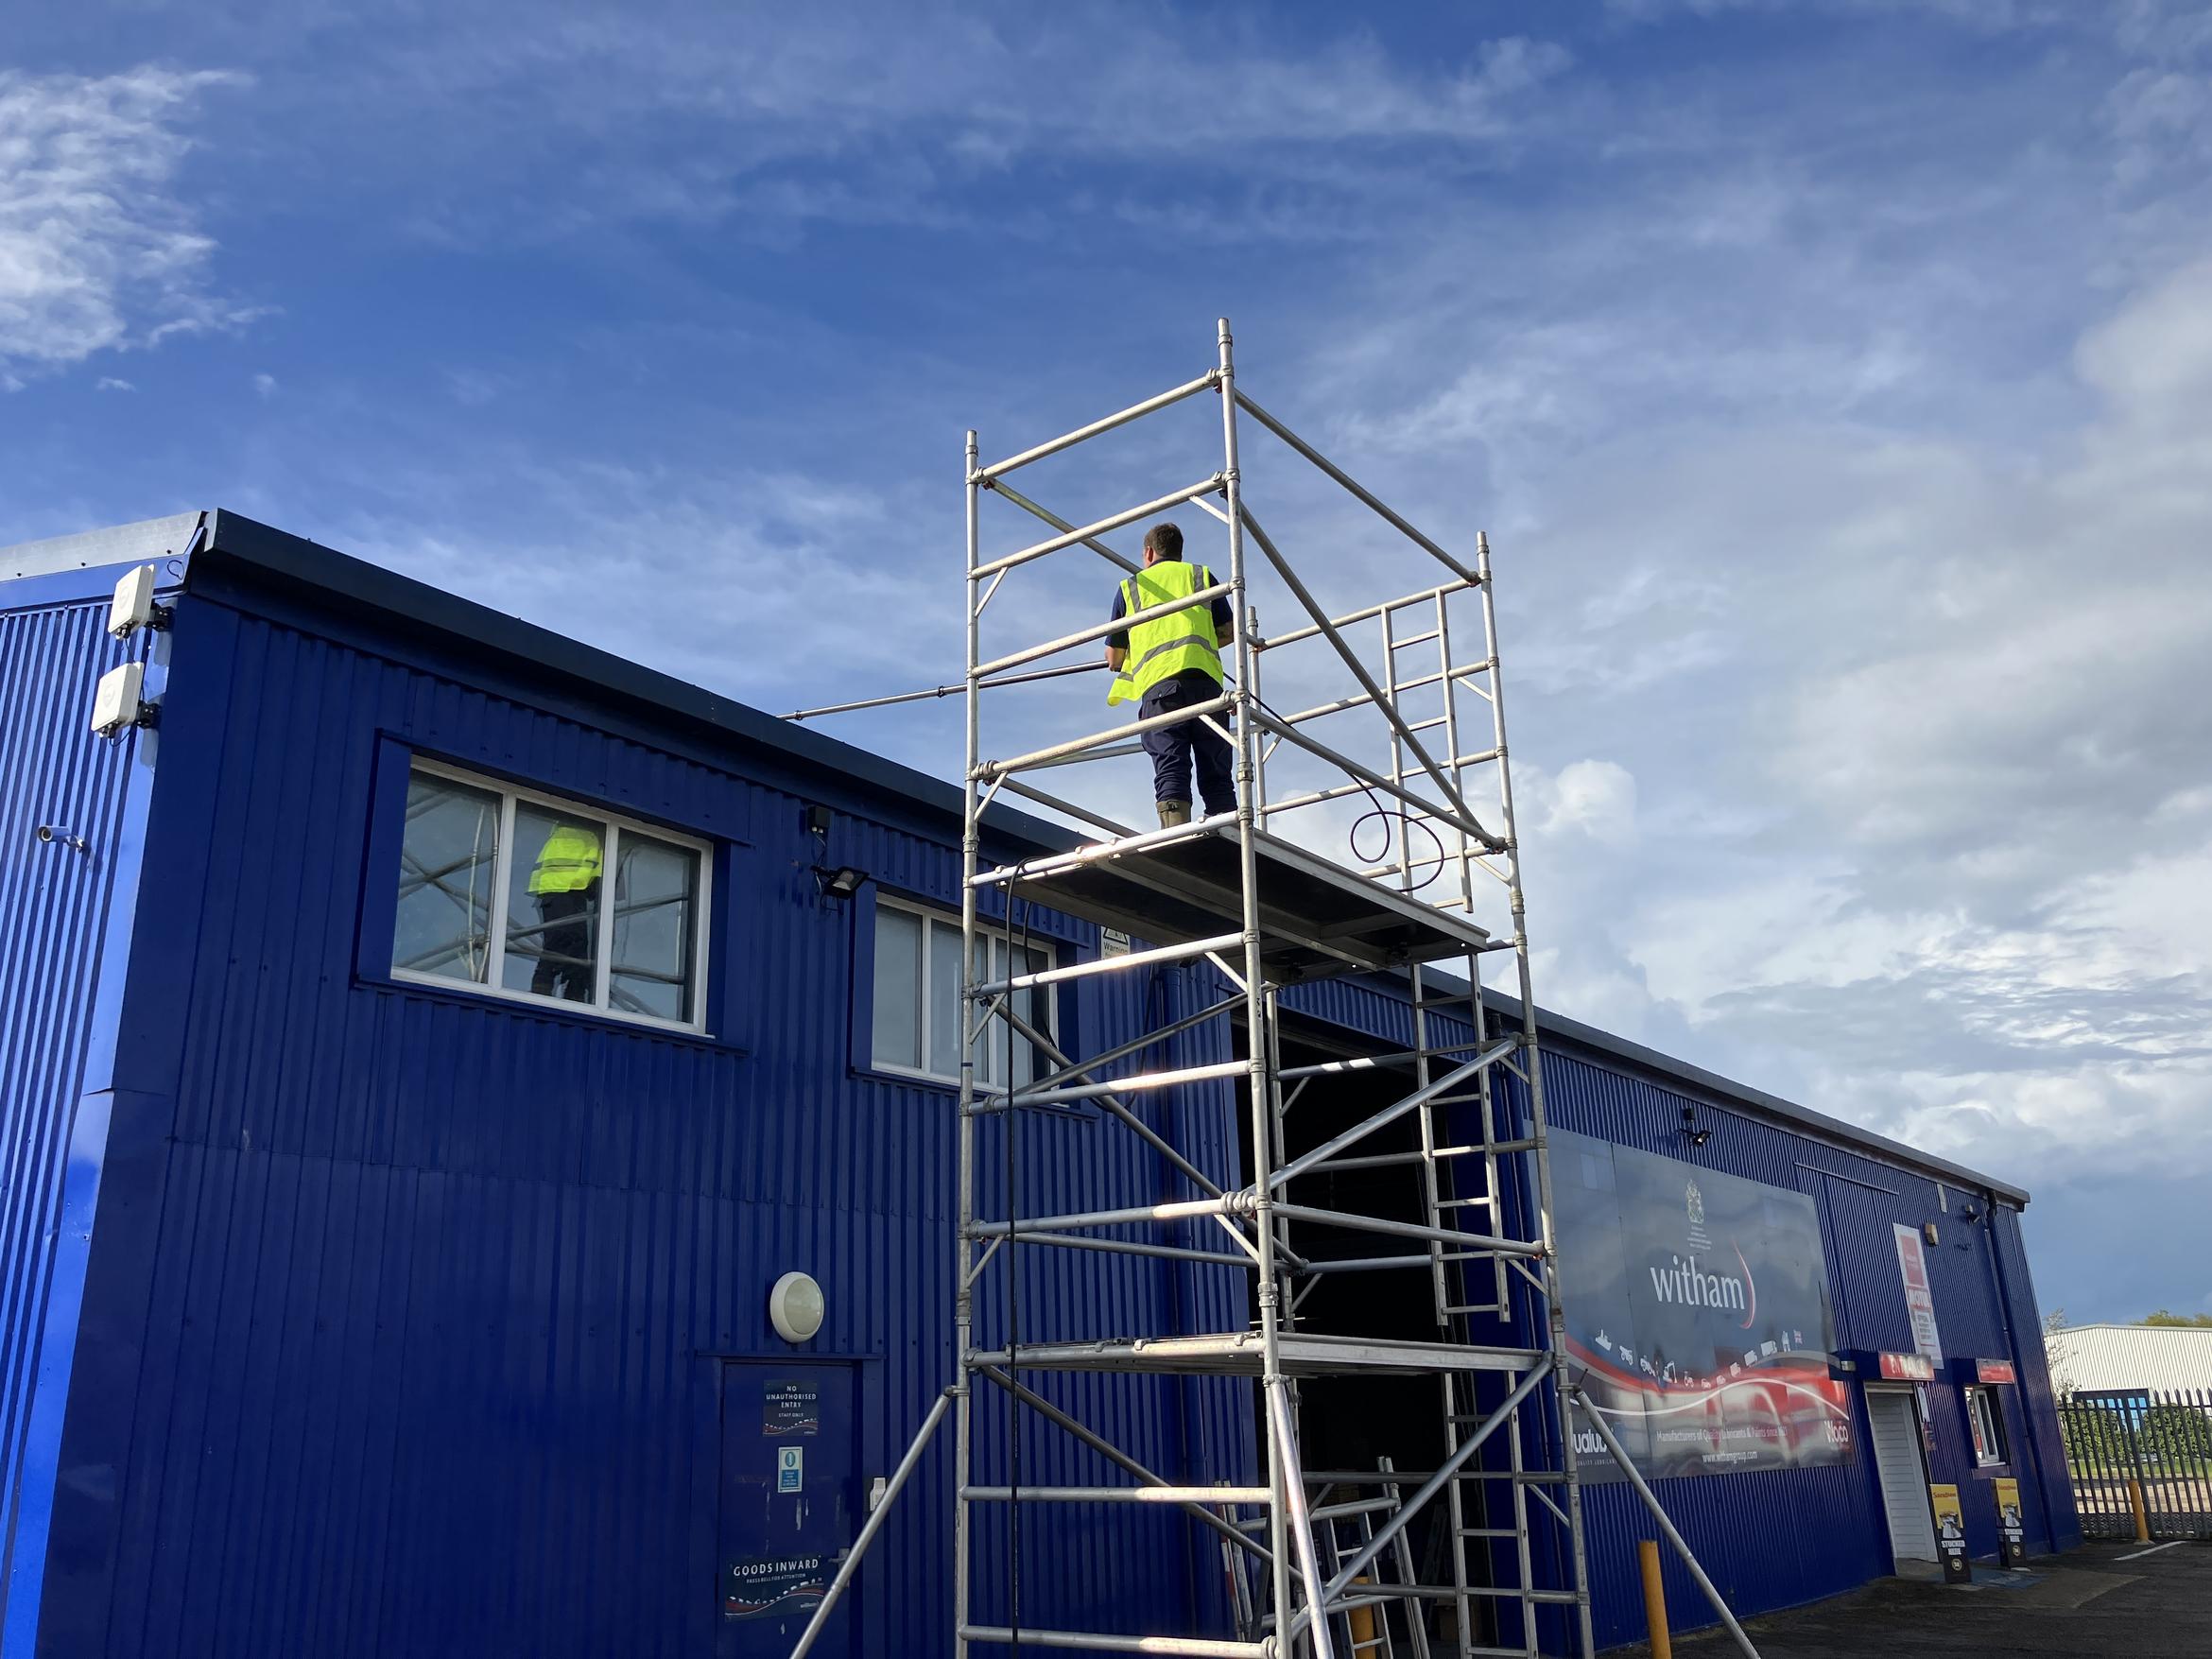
1697,1137
795,1307
840,883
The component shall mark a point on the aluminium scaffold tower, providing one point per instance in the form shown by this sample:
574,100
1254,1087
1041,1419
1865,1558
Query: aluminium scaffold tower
1239,891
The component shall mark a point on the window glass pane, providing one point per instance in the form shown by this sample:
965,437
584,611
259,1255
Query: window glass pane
1032,1005
553,901
448,861
944,1001
898,986
656,913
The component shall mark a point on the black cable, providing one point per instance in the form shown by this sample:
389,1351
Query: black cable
1377,810
1014,1297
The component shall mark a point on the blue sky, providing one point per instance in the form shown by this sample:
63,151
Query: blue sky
1834,380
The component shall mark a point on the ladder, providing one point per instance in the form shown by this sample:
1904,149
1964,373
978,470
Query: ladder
1300,1564
1346,1528
1471,1136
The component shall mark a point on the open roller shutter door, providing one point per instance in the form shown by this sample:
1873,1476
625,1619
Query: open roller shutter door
1896,1445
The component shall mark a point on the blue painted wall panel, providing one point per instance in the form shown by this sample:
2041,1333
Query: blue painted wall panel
1773,1539
433,1277
65,915
405,1311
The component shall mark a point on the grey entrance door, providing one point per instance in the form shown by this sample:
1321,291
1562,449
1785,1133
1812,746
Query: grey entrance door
1895,1423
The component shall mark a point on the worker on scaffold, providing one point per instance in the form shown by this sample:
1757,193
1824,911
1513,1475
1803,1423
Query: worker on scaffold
1174,661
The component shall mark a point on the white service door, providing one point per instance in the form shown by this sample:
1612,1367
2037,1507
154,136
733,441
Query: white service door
1895,1422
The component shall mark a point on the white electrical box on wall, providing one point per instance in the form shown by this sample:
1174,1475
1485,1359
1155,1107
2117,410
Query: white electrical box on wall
120,701
133,606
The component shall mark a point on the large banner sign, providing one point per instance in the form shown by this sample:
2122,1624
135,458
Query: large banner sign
1697,1305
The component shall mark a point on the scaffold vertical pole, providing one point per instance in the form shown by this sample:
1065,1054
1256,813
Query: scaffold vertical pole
1555,1316
964,1219
1280,1467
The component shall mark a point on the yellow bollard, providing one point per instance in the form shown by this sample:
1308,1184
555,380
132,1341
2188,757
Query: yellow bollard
1654,1598
2142,1512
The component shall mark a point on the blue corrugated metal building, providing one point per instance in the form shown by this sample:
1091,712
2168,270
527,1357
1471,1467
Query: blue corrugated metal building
388,1253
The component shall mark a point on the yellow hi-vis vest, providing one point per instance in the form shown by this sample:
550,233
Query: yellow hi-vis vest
569,861
1167,646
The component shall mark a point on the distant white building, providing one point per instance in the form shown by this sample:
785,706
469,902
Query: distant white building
2130,1357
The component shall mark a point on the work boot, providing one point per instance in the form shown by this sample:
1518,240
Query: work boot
1173,813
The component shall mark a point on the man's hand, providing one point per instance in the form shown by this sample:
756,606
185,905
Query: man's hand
1113,658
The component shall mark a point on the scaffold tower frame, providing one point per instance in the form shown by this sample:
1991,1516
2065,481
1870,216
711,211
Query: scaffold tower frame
1233,891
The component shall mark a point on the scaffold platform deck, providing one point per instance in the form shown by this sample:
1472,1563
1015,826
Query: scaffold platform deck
1317,919
1240,1354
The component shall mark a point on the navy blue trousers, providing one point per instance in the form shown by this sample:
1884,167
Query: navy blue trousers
1176,749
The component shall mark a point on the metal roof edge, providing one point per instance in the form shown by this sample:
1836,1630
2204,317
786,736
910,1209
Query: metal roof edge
277,557
1849,1136
261,551
133,544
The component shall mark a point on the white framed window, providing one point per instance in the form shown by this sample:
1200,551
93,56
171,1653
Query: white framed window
1987,1422
917,1025
523,895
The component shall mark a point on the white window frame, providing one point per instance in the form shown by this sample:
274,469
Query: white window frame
1985,1423
932,916
495,965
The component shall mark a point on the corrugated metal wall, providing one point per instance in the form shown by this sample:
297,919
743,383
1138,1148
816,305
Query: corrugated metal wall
403,1333
1778,1538
435,1288
57,905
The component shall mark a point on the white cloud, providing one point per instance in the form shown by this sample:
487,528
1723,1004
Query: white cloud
265,386
109,383
97,251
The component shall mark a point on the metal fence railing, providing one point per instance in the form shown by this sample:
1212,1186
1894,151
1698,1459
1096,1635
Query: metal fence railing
2140,1461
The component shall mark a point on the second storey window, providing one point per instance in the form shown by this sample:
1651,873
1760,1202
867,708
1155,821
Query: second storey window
917,998
527,896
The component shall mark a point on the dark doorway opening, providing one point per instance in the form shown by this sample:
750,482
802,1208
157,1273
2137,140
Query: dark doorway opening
1348,1423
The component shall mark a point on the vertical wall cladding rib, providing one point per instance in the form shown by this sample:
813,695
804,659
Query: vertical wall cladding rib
436,1288
1775,1539
55,906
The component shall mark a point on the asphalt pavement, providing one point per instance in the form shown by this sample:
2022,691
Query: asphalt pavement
2101,1601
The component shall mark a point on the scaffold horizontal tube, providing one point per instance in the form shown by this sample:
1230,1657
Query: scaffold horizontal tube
1359,1223
1085,1642
1174,1495
1372,501
1368,1062
1068,1070
1113,521
1147,1079
1099,631
1383,705
1135,959
1114,1454
1391,1114
1365,1264
1030,792
1134,1247
1008,493
1119,417
1132,842
1368,775
1365,614
1180,1210
996,768
1429,1488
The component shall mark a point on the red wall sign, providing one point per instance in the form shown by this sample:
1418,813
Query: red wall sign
1995,1371
1908,1367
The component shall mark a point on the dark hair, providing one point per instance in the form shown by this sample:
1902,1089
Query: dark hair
1166,540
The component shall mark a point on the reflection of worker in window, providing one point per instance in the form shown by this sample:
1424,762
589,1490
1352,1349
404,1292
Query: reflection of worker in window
566,883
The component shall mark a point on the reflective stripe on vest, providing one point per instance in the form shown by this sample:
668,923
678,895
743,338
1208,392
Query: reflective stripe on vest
1170,644
568,863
